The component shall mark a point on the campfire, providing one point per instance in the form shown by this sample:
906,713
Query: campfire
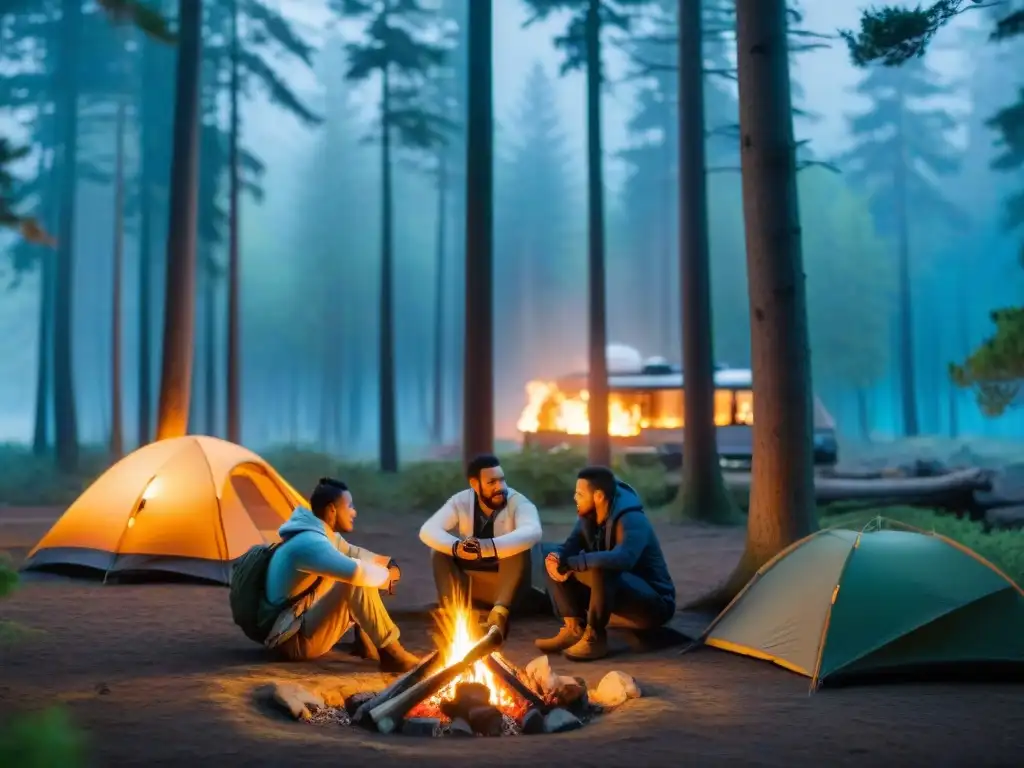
466,687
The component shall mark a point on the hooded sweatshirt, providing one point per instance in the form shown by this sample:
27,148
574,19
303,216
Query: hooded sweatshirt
626,542
309,550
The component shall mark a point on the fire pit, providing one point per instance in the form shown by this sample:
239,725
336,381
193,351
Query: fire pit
467,687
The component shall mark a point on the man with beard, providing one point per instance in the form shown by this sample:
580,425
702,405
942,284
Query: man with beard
319,585
611,564
481,541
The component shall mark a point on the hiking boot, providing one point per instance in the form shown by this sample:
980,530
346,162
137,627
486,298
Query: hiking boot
394,658
570,634
591,647
498,617
362,647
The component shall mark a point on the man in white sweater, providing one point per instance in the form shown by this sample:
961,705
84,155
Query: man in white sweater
481,540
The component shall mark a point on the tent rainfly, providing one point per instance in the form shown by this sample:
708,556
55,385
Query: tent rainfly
187,506
841,604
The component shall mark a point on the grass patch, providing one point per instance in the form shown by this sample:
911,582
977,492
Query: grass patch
1004,549
547,479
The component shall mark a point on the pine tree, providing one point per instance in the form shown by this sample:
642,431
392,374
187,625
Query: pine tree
397,49
902,146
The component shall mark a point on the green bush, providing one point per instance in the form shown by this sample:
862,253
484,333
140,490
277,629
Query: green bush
39,740
547,479
1004,549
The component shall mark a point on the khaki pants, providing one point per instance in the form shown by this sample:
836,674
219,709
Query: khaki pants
507,584
332,614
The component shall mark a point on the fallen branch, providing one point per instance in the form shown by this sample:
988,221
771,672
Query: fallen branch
386,716
402,684
503,670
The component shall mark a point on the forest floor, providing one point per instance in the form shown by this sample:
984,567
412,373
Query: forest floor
158,675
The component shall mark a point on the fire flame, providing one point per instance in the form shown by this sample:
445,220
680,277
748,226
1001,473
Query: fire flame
552,410
457,634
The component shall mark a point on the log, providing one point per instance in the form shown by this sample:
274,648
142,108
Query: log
387,715
403,683
508,675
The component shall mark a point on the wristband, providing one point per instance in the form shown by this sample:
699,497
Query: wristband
455,550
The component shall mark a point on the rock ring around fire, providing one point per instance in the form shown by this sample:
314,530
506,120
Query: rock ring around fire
527,701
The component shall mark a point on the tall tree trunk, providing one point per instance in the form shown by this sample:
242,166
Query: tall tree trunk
665,319
782,490
478,348
116,392
44,382
702,494
440,263
234,348
180,289
600,450
210,345
65,416
908,385
145,288
388,448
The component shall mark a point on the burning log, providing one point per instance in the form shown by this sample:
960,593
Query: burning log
388,714
399,686
508,675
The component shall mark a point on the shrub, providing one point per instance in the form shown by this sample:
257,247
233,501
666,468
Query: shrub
547,479
39,740
1004,549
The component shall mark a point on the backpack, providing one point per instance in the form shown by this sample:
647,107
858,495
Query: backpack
249,606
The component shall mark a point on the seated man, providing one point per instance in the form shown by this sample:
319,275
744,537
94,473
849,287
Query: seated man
611,563
481,540
336,584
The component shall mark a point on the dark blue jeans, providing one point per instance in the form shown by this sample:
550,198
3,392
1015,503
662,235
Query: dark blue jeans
595,595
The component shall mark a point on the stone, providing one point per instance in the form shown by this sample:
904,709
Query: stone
614,689
560,720
459,727
541,677
486,720
421,726
571,694
296,700
532,722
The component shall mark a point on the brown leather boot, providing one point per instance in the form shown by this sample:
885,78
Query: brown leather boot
498,617
591,647
570,634
394,658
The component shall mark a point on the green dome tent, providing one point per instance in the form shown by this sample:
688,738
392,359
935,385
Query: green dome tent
843,603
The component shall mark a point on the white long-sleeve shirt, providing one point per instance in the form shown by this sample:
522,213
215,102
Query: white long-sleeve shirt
517,527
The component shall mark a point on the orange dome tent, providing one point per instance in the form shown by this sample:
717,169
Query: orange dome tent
188,505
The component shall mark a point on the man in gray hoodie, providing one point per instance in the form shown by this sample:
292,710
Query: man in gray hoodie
343,583
611,564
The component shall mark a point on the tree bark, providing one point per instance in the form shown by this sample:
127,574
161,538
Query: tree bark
782,508
180,289
44,382
478,348
702,494
65,416
599,444
388,423
116,392
210,343
234,348
440,262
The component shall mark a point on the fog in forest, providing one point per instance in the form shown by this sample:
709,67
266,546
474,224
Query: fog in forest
311,231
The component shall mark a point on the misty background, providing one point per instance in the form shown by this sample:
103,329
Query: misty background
310,240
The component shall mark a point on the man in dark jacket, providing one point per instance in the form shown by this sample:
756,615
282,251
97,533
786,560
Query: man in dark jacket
611,564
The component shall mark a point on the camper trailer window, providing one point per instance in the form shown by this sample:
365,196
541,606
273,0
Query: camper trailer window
744,407
666,409
723,407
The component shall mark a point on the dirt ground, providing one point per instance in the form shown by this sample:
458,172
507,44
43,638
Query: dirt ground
159,676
